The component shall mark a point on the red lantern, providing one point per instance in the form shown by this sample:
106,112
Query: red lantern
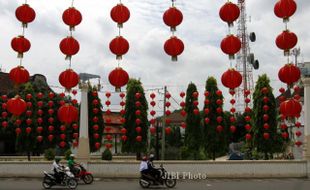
21,45
69,79
108,137
266,136
118,78
124,138
231,45
119,46
196,111
16,106
173,17
207,120
168,130
174,47
18,131
96,136
152,130
69,46
248,127
39,129
284,135
286,41
139,138
19,75
219,128
285,9
5,124
120,14
290,108
97,145
138,129
62,136
289,74
28,130
229,12
25,14
72,17
231,79
232,129
62,144
182,94
123,130
39,138
248,136
183,113
68,114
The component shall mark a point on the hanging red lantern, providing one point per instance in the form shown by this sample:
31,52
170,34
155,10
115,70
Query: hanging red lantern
174,47
231,45
68,114
138,129
168,130
118,78
16,106
207,120
139,138
196,111
232,129
19,75
18,131
266,136
4,114
123,130
28,130
290,108
124,138
39,129
285,9
286,41
25,14
120,14
248,127
4,124
248,136
183,125
173,17
231,79
289,74
75,135
229,13
69,79
119,46
21,45
62,144
69,46
72,17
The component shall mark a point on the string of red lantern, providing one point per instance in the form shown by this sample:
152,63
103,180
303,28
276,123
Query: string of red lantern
69,46
122,120
183,112
207,108
289,74
153,128
119,46
168,113
96,110
173,17
298,133
4,113
138,116
20,44
231,45
108,136
266,126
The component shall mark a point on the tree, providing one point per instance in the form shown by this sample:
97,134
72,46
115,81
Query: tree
193,138
265,122
136,122
215,140
96,126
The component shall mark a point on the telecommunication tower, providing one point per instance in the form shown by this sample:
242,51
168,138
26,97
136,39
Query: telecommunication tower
245,59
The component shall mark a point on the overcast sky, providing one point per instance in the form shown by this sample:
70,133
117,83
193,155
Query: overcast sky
201,31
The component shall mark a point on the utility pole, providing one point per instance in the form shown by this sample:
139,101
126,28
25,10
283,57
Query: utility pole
163,132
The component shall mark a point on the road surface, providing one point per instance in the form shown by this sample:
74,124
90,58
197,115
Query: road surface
208,184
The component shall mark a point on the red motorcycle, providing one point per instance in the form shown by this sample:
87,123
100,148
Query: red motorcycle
83,174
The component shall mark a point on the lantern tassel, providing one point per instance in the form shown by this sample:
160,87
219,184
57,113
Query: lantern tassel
117,89
119,57
231,57
120,25
173,29
174,58
20,55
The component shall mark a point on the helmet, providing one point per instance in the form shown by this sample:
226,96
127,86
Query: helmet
57,159
151,158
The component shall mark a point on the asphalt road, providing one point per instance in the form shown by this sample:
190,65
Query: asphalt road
209,184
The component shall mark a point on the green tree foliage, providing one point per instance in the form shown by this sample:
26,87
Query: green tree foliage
132,145
193,137
263,145
215,141
174,139
94,110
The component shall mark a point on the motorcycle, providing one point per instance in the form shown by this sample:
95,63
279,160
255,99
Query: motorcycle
84,175
68,179
164,179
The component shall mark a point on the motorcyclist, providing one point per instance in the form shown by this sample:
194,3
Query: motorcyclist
58,170
152,170
144,166
72,164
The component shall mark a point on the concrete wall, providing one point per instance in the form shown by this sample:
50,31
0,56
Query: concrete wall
212,169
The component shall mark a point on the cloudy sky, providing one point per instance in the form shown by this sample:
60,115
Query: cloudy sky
201,31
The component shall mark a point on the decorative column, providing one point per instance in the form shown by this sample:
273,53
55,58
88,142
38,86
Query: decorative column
83,148
306,82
